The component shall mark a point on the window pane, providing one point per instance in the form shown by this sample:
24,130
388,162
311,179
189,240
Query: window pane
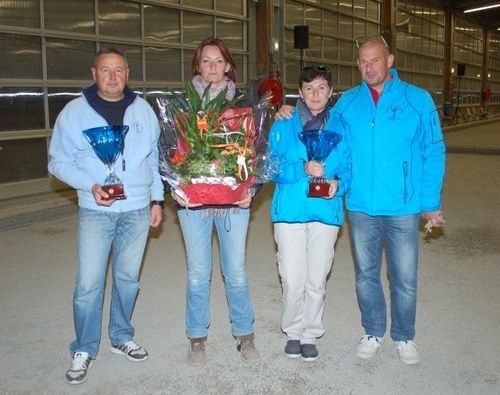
162,64
313,18
58,98
359,7
205,4
197,27
119,19
330,25
21,108
188,58
294,14
345,26
232,7
21,56
70,15
69,59
330,48
346,51
231,31
372,11
345,76
240,71
162,24
23,160
20,13
314,46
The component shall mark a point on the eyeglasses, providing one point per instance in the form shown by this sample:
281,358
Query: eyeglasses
373,39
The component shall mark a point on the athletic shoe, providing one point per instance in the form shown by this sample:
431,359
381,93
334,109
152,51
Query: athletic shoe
293,349
131,351
309,352
368,346
77,373
407,351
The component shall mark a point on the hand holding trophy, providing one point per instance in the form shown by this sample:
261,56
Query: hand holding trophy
319,144
108,142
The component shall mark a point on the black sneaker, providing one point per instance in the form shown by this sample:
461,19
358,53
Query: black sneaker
77,373
292,348
309,352
131,351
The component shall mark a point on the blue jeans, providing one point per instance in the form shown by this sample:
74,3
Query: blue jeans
400,234
125,235
231,227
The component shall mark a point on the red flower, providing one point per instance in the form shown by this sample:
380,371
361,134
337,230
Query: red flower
181,150
271,87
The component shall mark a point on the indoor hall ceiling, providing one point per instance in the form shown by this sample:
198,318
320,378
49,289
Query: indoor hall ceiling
487,18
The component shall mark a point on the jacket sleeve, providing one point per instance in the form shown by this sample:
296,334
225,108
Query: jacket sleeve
157,188
433,155
63,152
342,170
291,169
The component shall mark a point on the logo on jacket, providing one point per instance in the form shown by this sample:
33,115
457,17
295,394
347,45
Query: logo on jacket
395,113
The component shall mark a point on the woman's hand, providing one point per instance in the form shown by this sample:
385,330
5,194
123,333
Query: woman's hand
245,203
313,168
334,188
183,200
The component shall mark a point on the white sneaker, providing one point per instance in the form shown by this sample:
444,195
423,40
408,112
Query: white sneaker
407,351
77,373
131,351
368,346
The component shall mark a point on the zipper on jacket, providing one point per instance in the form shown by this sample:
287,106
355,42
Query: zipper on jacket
405,176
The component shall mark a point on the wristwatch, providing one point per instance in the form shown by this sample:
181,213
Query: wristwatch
158,203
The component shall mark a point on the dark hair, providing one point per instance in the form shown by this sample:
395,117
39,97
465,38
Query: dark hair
310,73
110,50
217,42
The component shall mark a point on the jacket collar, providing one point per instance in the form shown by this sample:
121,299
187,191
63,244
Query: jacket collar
90,94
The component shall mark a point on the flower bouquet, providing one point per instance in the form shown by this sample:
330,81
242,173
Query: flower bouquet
212,152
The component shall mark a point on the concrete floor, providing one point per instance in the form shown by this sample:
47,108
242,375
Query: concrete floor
457,321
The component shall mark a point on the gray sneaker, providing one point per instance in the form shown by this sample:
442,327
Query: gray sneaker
246,347
309,352
293,349
196,355
77,373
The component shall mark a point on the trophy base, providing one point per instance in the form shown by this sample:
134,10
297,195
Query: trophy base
319,189
115,191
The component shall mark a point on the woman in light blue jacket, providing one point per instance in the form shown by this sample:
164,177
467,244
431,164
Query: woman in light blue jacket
306,228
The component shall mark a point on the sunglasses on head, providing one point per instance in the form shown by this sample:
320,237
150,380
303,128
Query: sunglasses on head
363,40
321,69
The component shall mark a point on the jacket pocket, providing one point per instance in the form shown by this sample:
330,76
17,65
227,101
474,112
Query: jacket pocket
405,182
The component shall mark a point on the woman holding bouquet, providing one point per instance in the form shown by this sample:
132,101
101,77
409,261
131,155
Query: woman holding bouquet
214,65
306,228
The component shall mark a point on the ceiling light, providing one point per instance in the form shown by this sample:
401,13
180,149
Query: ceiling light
486,7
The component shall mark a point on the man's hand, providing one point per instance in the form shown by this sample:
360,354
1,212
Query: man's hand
285,112
435,219
101,197
156,215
